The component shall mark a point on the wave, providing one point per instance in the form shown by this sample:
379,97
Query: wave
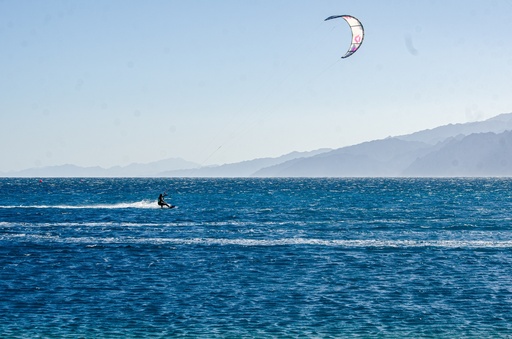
145,204
159,224
367,243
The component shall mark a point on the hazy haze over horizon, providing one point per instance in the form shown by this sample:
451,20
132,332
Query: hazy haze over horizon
119,82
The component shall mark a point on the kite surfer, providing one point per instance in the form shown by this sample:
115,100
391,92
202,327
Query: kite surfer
161,201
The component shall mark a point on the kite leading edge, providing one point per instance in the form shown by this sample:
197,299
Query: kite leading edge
357,33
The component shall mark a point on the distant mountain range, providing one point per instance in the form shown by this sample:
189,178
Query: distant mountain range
241,169
476,149
152,169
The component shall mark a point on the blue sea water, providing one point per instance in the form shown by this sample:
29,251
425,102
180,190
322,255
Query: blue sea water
265,258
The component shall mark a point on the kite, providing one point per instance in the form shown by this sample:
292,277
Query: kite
357,33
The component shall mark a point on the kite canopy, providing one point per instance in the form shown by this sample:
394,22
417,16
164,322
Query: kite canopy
357,33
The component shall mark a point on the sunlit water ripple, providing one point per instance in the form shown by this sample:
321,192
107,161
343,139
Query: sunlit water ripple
347,258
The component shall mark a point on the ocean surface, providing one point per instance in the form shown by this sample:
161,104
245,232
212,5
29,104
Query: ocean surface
263,258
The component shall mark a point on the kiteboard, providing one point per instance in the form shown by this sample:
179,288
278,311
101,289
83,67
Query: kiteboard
169,207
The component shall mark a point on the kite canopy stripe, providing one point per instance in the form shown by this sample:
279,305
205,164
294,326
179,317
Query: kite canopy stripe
357,33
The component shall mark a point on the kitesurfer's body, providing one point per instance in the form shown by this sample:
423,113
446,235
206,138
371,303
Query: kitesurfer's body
161,201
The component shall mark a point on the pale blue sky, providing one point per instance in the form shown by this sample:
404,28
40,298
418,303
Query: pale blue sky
113,82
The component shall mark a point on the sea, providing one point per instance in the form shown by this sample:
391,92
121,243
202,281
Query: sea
256,258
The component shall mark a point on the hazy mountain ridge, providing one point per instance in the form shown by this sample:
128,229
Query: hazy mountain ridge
374,158
174,167
472,149
132,170
442,151
478,154
241,169
497,124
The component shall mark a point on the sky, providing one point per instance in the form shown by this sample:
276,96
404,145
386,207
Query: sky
106,83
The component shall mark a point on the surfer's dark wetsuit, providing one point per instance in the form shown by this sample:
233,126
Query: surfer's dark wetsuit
161,201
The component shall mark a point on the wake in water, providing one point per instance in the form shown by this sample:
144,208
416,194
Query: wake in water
244,242
144,204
